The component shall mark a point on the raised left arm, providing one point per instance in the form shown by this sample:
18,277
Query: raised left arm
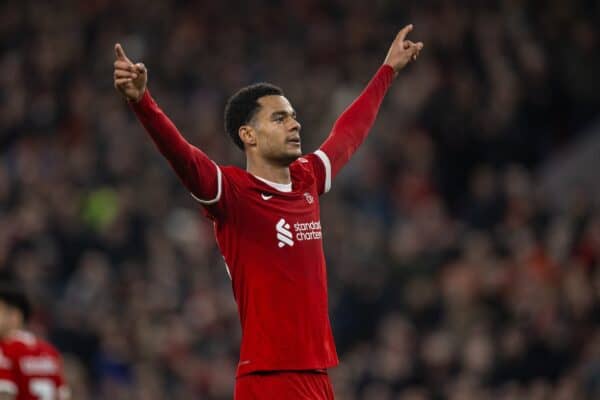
352,127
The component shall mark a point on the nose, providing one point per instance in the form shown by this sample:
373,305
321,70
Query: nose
295,125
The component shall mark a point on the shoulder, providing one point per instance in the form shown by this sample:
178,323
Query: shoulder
303,164
232,171
33,355
232,181
234,175
313,162
318,165
47,348
22,342
239,180
307,168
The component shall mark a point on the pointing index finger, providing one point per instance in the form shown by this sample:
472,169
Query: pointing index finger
121,53
402,34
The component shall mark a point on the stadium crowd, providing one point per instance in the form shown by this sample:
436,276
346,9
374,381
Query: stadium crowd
450,275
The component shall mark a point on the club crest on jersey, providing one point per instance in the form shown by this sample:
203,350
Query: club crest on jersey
309,198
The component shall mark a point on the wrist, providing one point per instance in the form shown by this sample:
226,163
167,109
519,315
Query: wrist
137,99
390,69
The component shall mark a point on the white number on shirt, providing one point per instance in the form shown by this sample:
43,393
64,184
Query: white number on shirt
43,389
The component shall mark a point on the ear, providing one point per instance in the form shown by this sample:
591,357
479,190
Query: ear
247,135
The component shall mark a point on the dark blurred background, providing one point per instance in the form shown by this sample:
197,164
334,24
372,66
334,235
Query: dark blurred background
463,240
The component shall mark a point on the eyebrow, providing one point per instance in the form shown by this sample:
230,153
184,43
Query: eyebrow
277,114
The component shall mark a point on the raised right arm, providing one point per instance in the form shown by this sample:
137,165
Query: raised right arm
200,175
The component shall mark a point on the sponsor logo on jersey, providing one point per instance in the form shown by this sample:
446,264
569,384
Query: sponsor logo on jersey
300,231
38,365
284,235
266,196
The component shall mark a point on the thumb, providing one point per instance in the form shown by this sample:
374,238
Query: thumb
120,53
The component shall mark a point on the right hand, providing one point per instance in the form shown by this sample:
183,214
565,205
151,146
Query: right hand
402,51
130,79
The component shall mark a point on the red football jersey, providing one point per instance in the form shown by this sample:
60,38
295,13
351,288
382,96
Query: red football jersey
31,368
271,238
272,244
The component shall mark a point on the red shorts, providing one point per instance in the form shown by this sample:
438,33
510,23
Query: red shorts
284,385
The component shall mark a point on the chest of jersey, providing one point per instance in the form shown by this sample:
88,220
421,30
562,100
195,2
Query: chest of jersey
270,234
32,368
280,221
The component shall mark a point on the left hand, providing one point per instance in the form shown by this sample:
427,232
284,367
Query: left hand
402,51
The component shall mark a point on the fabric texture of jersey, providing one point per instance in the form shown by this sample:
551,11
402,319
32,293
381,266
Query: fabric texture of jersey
272,240
30,368
284,385
272,244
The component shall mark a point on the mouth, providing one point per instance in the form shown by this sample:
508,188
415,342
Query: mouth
295,141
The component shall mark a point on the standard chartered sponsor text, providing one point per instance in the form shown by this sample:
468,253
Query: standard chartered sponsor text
308,230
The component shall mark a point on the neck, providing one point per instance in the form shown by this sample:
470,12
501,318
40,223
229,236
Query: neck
267,170
9,332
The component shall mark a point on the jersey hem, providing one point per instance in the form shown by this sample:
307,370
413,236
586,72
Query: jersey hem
245,370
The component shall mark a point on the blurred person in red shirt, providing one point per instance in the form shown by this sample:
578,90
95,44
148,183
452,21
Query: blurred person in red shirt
267,219
30,368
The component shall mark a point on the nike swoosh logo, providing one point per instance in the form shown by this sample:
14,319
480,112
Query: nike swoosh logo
266,196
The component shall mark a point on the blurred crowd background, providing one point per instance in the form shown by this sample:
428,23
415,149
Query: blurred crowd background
451,274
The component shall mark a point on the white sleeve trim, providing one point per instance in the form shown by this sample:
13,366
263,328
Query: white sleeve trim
218,196
8,387
321,154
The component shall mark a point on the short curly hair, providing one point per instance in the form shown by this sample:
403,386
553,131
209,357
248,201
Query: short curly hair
243,105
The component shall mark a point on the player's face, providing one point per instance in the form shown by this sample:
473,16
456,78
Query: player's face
277,130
